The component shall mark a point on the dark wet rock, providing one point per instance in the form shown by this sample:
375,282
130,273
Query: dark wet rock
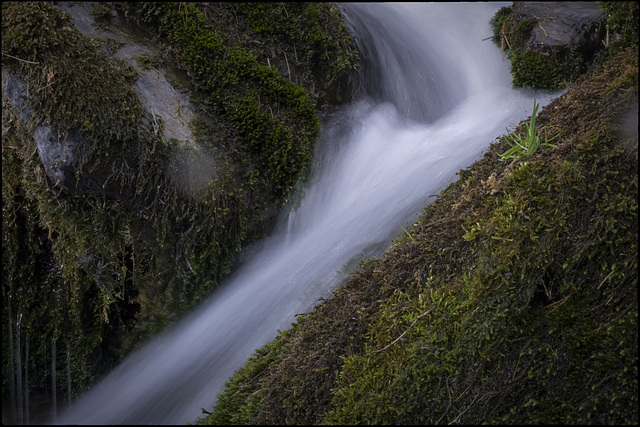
551,43
563,24
57,154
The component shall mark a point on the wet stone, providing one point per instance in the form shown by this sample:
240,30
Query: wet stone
563,24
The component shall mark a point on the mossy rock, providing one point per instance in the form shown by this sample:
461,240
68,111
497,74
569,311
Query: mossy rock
131,238
549,44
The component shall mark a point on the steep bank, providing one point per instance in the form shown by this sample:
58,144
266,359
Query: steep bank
513,299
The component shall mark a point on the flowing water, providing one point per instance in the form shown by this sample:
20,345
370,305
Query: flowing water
434,95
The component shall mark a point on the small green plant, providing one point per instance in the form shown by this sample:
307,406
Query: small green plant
406,232
528,144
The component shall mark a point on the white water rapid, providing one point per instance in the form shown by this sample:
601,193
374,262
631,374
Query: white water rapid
433,97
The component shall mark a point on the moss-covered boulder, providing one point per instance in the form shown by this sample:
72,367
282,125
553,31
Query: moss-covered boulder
122,208
549,43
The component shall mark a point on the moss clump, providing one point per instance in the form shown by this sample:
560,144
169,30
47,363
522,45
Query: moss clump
51,53
324,53
536,70
514,301
63,259
97,272
511,31
500,20
275,121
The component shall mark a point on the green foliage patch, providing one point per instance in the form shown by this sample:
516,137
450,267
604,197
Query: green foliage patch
529,144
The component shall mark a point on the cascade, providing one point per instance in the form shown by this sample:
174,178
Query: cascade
433,96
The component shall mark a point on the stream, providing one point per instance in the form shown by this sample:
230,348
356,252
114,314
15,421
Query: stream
432,97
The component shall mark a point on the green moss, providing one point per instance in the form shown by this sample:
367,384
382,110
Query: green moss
309,40
275,119
511,32
521,32
524,314
506,336
73,263
536,70
500,19
544,70
622,23
120,269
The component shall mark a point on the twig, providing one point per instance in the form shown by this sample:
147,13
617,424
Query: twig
504,34
619,316
605,42
44,87
23,60
287,61
562,301
503,38
405,332
604,280
545,31
492,37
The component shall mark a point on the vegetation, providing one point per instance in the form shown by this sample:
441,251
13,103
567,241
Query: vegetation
529,144
622,24
512,300
99,268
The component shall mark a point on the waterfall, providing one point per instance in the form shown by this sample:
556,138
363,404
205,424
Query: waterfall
433,97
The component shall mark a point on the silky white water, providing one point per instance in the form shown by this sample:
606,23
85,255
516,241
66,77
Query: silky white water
434,95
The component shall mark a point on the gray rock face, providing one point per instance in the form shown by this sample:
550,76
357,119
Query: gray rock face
157,94
57,155
562,25
167,104
16,92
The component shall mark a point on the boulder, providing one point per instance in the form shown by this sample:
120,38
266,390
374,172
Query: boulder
551,43
562,25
